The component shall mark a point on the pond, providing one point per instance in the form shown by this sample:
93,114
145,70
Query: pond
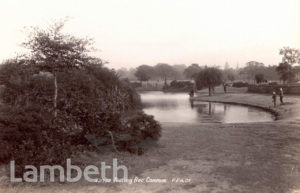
176,107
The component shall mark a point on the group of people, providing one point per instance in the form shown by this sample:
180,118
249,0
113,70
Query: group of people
274,96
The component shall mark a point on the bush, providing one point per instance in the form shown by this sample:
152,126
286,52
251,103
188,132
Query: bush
137,132
56,96
240,84
140,127
90,101
28,138
179,86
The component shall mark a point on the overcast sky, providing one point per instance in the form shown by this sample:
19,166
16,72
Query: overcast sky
133,32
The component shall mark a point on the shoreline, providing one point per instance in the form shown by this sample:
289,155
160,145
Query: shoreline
275,113
282,112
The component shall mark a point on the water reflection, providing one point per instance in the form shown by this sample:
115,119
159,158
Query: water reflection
169,107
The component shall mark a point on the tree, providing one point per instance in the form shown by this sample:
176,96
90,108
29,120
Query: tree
290,56
179,68
297,72
54,52
259,78
165,71
228,74
209,78
144,72
125,73
252,68
192,70
231,77
285,71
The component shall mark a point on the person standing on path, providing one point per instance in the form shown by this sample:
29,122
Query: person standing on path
192,93
281,95
274,98
225,87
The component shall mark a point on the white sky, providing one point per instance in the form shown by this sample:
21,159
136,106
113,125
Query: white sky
129,33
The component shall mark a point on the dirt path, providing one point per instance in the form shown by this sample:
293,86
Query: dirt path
253,157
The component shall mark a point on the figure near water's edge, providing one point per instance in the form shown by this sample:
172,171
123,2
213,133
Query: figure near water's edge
274,98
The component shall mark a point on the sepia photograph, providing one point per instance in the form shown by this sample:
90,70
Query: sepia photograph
150,96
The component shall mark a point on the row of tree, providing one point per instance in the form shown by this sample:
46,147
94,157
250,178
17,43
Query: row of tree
209,77
163,71
254,71
166,71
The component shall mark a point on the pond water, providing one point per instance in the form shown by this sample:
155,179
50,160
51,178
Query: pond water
176,107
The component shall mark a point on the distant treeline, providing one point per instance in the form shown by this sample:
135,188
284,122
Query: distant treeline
184,72
287,71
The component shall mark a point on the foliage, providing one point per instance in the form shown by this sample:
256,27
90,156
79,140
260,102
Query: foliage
165,71
240,84
290,56
297,72
179,71
229,74
29,138
285,71
90,100
53,51
179,86
192,71
125,73
231,77
252,68
209,78
144,72
151,73
259,78
141,131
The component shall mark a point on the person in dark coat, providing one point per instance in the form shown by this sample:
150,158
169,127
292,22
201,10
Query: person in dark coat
225,87
192,93
281,95
274,98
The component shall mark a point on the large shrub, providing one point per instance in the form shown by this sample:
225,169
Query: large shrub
55,98
139,130
240,84
179,86
91,101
